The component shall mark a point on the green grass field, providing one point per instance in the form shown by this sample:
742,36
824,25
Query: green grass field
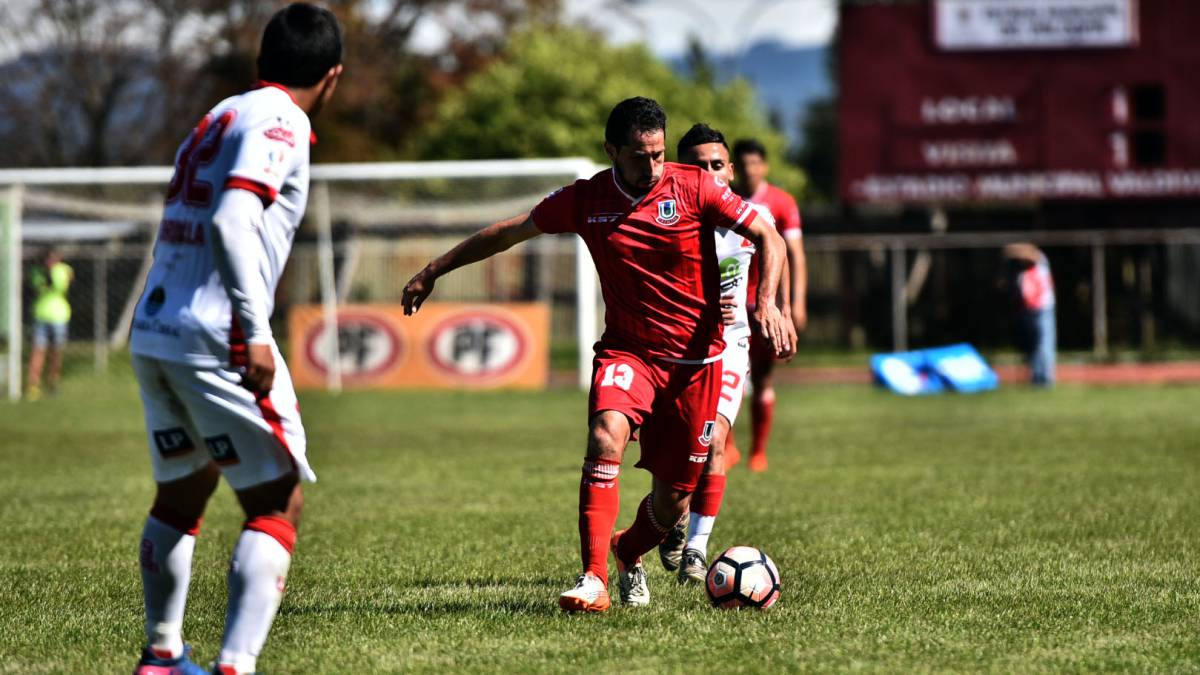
1016,531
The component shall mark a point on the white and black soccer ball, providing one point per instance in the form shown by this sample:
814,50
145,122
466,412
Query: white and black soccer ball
742,576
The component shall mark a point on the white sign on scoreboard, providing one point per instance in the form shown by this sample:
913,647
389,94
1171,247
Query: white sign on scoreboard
1034,24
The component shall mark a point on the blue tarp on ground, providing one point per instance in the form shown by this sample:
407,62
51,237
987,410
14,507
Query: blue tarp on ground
957,368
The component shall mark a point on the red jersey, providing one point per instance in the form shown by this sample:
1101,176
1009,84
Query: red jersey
787,220
656,256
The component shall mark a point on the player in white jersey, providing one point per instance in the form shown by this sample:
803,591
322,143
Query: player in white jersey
216,393
686,548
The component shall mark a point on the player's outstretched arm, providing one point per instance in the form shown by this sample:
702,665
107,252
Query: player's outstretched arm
772,252
238,256
483,244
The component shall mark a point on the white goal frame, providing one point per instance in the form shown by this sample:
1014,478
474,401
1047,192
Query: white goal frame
587,323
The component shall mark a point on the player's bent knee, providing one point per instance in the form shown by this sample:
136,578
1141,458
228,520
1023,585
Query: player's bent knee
279,498
608,436
716,446
181,503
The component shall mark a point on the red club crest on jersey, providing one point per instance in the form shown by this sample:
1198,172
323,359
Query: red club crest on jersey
667,213
282,135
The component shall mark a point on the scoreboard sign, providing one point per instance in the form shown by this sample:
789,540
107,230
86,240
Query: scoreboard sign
445,345
1034,24
1018,100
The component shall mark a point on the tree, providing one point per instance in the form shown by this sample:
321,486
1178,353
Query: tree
99,82
550,93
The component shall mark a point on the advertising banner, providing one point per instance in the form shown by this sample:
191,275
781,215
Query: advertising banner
444,346
1034,24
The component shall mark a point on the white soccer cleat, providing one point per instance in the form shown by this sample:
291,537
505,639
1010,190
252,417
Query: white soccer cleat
670,552
693,567
634,591
632,580
589,595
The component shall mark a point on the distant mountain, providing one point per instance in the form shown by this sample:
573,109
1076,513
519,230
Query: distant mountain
786,78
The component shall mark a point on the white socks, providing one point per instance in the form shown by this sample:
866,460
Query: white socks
166,561
256,578
699,527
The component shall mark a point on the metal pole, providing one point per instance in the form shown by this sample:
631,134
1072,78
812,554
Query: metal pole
13,254
1099,302
100,310
324,222
1146,304
899,300
585,325
585,297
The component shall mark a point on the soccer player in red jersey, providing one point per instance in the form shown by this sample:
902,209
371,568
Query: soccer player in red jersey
649,226
750,163
686,547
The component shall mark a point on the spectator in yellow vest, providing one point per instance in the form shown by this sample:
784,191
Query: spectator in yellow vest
51,314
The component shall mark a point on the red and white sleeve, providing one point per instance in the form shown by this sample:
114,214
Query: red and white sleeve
721,207
267,151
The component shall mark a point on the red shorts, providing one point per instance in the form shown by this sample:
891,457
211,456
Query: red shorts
675,405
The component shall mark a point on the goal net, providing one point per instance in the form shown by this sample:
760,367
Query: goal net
367,230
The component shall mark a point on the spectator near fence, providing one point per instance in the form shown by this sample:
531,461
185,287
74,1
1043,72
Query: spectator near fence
51,315
1033,288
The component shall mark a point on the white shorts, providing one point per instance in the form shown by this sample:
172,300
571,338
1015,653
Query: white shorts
735,362
199,415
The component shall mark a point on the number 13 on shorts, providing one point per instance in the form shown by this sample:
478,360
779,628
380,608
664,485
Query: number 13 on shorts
617,375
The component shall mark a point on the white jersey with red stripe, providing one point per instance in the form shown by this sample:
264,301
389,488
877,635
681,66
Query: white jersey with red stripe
257,141
734,255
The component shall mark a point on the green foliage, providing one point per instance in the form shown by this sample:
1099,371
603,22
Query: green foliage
550,94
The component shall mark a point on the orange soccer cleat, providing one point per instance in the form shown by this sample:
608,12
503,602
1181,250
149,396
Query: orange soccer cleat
758,462
589,595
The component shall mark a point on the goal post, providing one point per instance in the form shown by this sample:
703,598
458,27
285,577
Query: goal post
10,297
367,224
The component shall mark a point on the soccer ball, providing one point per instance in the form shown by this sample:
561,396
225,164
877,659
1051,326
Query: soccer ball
742,576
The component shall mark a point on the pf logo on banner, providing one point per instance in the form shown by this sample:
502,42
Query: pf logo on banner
478,345
367,346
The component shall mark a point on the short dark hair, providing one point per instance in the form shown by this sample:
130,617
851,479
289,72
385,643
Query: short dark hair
749,146
299,45
699,134
638,114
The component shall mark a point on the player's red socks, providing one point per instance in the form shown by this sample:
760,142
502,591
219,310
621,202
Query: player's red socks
762,414
599,502
706,500
645,533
